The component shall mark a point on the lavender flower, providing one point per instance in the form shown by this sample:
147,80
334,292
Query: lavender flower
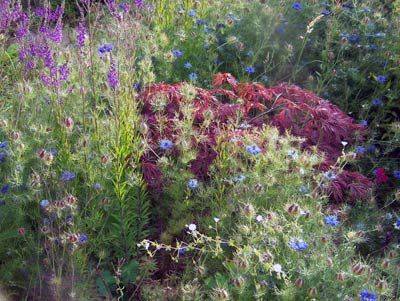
105,48
193,76
360,149
297,6
193,184
250,70
187,65
382,79
82,239
330,175
377,102
253,149
5,189
177,53
44,203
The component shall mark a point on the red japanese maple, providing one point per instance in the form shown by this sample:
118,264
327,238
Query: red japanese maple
287,107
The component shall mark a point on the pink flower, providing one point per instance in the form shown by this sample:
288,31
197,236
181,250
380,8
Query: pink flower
381,176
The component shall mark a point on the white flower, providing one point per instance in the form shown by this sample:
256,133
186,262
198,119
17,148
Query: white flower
216,219
277,268
259,218
192,227
344,143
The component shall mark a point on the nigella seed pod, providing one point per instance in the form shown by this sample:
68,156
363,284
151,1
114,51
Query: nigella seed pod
239,282
312,292
15,135
258,187
293,209
329,262
72,238
48,158
248,210
45,229
105,201
341,276
266,257
70,200
221,294
69,123
392,254
324,239
299,282
358,269
382,285
104,159
40,153
385,263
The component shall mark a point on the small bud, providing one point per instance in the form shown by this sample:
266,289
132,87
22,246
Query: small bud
293,209
358,269
104,159
15,135
329,262
312,292
392,254
324,239
248,210
382,284
341,276
69,123
299,282
385,263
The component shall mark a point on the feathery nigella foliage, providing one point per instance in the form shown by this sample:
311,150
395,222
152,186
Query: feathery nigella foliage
288,107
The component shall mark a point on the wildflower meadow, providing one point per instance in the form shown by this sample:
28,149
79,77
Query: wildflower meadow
199,150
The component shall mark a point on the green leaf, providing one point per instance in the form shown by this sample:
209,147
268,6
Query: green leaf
130,271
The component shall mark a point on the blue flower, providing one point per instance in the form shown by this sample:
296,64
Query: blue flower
253,149
304,189
193,76
2,202
182,251
326,12
3,157
239,178
201,22
377,102
380,35
96,186
250,70
44,203
354,38
192,13
4,144
193,184
371,148
250,53
382,79
188,65
360,149
5,189
137,87
331,220
366,295
293,154
166,144
297,6
177,53
298,244
396,174
364,122
105,48
67,176
397,224
330,175
82,239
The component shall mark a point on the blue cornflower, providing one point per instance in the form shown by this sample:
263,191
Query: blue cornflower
193,184
297,6
82,239
397,224
166,144
201,22
4,144
360,149
377,102
193,76
250,69
105,48
298,244
177,53
330,175
192,13
366,295
5,189
67,176
364,122
188,65
44,203
3,157
382,79
96,186
396,174
331,220
253,149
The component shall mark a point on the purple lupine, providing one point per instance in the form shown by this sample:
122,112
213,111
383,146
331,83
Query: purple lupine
112,77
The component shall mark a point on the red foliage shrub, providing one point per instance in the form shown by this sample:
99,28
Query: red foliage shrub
287,107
